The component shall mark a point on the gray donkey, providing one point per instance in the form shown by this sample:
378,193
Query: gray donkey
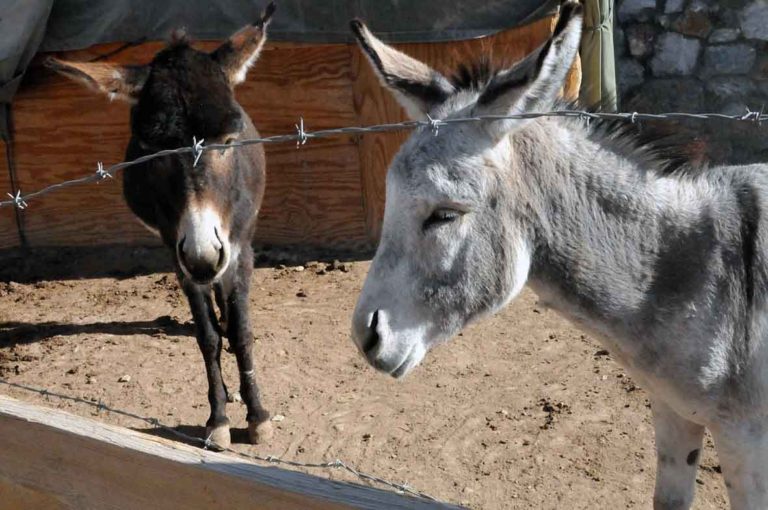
667,268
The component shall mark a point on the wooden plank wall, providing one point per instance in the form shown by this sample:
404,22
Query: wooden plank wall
9,232
329,193
53,460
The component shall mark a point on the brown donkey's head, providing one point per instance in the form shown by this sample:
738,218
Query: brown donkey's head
205,210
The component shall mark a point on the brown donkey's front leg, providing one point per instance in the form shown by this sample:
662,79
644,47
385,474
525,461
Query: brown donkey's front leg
234,289
209,341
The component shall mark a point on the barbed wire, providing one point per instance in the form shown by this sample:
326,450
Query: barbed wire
301,137
208,444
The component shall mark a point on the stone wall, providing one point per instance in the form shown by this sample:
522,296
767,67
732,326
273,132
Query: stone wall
697,56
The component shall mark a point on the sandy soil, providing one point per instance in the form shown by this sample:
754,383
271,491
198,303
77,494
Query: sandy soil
521,411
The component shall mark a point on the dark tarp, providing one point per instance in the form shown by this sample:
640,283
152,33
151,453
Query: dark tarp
81,23
22,27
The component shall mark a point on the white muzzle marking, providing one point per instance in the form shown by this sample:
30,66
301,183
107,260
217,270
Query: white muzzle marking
202,248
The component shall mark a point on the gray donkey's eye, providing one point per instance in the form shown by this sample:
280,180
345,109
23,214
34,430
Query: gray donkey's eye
441,217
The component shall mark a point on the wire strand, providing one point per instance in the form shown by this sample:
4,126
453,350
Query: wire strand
301,137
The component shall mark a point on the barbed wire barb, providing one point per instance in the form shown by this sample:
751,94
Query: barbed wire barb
101,173
753,116
434,125
197,149
17,200
300,133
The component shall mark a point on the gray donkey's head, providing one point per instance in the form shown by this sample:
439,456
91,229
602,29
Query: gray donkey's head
451,248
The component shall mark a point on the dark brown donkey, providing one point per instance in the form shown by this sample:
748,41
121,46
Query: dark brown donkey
205,213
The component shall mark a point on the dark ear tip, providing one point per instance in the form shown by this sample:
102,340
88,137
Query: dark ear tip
357,25
270,10
179,36
266,16
570,9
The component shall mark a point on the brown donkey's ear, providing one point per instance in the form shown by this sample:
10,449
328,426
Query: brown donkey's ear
238,53
116,81
417,87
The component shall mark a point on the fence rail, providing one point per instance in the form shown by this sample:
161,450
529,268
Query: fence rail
301,137
402,488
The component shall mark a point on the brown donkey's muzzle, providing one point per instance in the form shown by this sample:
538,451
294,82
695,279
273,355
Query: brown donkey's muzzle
203,249
202,265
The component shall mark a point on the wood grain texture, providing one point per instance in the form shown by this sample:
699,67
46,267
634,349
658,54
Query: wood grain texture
375,105
313,194
328,193
69,462
18,497
9,232
62,132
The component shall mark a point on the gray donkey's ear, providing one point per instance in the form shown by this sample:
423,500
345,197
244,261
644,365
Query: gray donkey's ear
417,87
534,83
238,53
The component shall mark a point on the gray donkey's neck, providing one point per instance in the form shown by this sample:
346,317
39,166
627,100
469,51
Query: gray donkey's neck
639,257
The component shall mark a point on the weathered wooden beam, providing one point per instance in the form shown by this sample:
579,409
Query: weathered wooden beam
53,460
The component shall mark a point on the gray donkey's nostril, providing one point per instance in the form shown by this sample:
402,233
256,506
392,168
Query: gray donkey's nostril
372,337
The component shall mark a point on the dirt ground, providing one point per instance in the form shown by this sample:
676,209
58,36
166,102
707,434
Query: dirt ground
520,411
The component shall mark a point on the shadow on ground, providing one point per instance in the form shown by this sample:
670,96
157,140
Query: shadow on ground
122,261
195,434
14,333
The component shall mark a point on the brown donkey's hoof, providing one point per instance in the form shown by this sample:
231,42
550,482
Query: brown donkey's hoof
218,437
260,432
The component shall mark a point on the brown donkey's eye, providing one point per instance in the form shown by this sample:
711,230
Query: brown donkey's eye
227,141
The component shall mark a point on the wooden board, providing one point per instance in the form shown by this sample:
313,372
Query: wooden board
313,194
51,459
9,232
328,194
62,131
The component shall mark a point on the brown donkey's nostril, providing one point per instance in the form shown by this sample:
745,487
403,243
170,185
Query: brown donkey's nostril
180,250
222,259
222,252
372,335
